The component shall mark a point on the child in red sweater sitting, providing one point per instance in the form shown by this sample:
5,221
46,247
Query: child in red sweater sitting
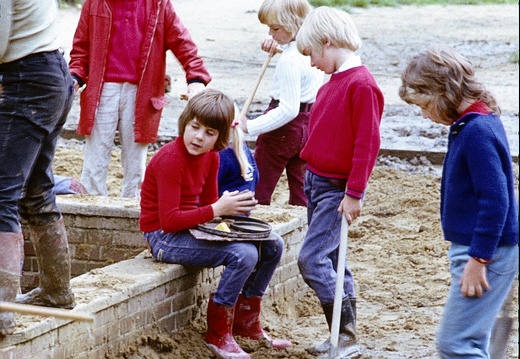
179,192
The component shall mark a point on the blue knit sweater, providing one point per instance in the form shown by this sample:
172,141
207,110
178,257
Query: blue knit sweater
478,203
229,174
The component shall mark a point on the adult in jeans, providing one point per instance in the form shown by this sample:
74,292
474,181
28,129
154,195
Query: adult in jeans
36,92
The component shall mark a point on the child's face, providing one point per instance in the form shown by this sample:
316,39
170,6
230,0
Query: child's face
198,138
280,35
322,60
428,111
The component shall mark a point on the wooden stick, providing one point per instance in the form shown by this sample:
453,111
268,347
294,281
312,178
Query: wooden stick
45,311
184,97
258,80
338,295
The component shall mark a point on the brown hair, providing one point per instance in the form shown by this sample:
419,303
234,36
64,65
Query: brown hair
443,78
212,109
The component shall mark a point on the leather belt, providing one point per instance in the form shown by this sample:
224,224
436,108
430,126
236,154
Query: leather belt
304,107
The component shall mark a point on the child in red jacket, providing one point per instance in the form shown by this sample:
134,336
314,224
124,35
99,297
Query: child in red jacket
119,54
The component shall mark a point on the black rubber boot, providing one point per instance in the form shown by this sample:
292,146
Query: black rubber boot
347,347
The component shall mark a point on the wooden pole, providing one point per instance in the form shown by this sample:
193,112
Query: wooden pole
338,295
45,311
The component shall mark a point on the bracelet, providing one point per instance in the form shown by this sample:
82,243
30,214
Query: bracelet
482,260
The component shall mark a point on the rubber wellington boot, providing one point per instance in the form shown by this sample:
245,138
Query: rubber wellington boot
347,347
9,277
53,257
219,337
247,322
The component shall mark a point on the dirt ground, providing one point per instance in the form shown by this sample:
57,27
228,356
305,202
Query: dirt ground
396,249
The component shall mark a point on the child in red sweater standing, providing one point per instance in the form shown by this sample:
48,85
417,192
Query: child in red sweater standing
179,192
340,152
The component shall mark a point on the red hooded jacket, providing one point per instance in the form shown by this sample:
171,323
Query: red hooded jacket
164,31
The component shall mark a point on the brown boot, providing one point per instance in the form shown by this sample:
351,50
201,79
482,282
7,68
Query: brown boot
52,253
218,335
10,270
247,322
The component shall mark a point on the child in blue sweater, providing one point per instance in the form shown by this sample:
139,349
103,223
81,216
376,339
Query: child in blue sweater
479,209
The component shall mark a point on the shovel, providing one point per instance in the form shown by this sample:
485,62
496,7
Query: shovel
338,295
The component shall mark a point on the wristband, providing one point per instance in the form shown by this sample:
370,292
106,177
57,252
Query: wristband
482,260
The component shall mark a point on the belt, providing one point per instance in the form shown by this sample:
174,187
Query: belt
304,107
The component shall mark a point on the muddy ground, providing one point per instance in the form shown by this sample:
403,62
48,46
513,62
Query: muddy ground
396,249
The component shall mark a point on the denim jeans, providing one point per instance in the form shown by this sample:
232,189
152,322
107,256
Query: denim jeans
318,258
467,322
37,94
249,266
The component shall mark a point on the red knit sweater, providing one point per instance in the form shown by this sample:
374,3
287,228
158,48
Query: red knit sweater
178,189
344,137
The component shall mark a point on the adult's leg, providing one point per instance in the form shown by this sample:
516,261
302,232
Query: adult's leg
38,204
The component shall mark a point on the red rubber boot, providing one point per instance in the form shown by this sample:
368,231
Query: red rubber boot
247,322
218,335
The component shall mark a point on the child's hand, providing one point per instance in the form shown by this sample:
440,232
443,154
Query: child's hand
473,281
269,45
350,207
242,123
194,88
233,203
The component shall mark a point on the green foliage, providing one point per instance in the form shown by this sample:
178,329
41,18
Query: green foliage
514,57
345,4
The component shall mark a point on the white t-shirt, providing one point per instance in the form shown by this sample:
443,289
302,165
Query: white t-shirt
27,27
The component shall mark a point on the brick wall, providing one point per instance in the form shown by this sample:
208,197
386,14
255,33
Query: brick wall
100,231
131,296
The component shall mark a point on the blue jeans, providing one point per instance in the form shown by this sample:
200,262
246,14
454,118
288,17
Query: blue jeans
466,324
318,258
37,94
249,265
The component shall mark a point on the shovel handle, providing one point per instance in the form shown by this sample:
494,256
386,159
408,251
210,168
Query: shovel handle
338,295
258,80
44,311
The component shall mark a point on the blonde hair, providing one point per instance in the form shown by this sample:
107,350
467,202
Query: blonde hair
442,78
212,109
327,24
289,14
246,169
